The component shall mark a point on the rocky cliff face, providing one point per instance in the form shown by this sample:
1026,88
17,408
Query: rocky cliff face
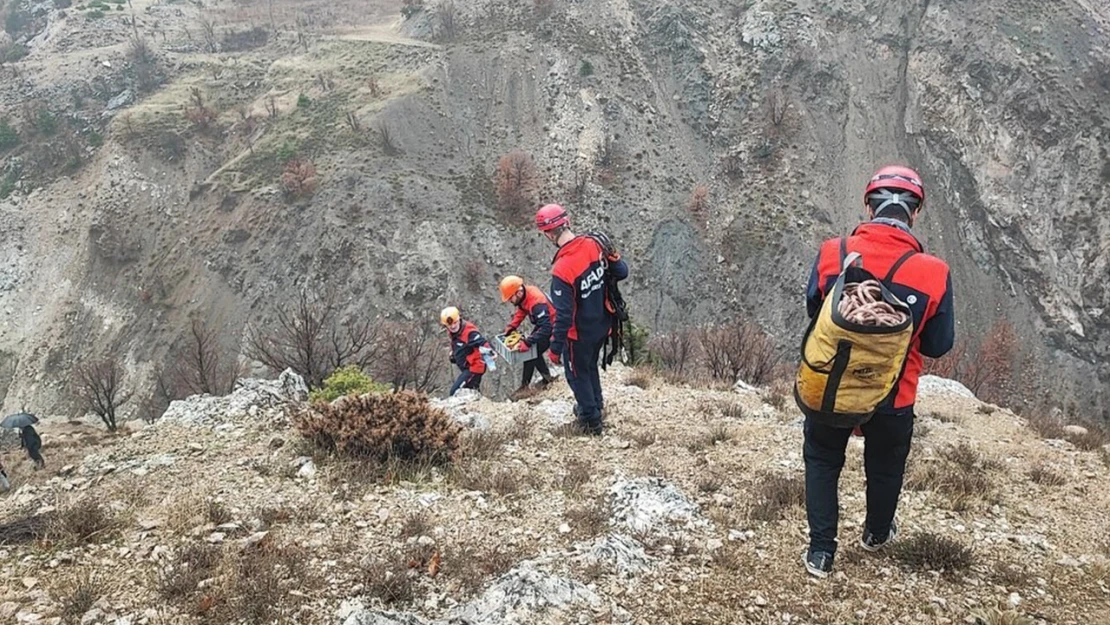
779,109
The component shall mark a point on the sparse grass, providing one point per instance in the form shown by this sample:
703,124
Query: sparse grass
482,444
521,428
590,519
733,410
471,566
999,616
1011,575
960,474
389,580
774,495
77,595
84,521
644,438
920,430
501,480
217,513
730,559
641,377
710,484
1040,474
986,409
933,553
577,475
180,580
415,525
718,433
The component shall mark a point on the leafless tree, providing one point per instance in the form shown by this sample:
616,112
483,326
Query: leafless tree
203,366
738,350
309,337
208,28
100,388
446,13
414,359
675,350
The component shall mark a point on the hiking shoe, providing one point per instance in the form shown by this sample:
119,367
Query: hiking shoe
873,543
818,563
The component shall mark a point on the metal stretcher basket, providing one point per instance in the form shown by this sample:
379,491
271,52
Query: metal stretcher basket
512,356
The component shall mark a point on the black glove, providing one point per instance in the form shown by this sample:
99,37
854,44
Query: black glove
451,358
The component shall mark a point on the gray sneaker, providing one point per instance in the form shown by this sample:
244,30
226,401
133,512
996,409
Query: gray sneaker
873,543
818,563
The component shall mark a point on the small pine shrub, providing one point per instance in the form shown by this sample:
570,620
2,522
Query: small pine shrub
586,69
346,381
303,101
402,427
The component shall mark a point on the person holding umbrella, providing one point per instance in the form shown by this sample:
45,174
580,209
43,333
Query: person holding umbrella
28,438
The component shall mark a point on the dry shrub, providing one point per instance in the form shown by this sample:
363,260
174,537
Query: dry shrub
413,359
991,371
1040,474
401,426
1091,440
180,580
590,519
298,178
934,553
698,204
731,559
521,428
644,439
738,350
640,377
472,275
26,527
197,113
710,484
543,8
516,181
258,582
774,495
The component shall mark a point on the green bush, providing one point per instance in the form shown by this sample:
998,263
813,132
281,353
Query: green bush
303,101
8,136
636,345
586,69
349,380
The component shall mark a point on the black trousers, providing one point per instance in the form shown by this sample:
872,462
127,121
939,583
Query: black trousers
536,364
886,447
466,379
580,364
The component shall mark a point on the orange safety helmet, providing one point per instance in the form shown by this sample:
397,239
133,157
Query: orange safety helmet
509,286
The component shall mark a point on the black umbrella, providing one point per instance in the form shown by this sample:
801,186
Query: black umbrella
18,420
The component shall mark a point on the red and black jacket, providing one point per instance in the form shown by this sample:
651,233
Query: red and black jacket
578,292
465,348
538,309
921,280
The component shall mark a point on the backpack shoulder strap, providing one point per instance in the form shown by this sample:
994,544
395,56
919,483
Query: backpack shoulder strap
843,250
898,265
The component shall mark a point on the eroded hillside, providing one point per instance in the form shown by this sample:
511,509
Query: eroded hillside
144,184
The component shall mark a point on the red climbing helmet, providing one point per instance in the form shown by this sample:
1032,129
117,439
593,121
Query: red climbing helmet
550,217
895,177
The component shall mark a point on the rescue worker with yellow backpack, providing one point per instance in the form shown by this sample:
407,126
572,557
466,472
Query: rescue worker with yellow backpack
877,304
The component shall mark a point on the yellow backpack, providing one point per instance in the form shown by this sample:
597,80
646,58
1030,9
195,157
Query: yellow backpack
848,369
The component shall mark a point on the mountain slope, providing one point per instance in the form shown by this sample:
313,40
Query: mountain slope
688,510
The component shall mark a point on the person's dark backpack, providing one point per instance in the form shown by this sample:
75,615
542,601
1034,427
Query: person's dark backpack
614,302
